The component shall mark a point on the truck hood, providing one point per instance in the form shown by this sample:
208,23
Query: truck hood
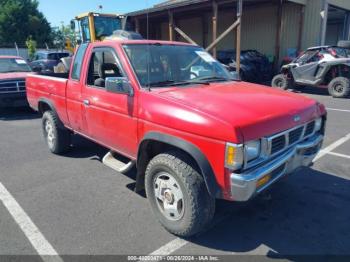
255,110
14,75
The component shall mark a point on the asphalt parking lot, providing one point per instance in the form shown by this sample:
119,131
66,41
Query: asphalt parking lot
74,205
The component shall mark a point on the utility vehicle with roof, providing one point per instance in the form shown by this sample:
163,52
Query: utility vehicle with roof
323,66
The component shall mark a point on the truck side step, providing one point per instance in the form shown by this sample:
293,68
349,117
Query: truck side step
110,160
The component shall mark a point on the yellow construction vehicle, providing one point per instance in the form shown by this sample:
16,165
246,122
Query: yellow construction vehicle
69,46
92,27
96,26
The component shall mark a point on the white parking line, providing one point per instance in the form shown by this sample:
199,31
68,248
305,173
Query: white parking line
178,243
170,247
337,154
335,109
331,147
31,231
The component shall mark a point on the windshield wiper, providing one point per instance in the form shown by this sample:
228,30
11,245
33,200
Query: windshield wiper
214,78
174,83
14,71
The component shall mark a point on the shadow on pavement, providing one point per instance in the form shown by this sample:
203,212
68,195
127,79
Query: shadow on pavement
306,214
15,114
313,91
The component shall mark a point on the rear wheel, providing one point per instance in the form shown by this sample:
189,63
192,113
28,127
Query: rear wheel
58,138
281,81
178,195
339,87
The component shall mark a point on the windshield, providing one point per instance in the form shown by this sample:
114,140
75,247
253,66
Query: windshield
158,65
105,26
308,56
8,65
84,23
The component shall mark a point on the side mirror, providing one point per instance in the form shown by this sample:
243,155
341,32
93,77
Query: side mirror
119,85
72,25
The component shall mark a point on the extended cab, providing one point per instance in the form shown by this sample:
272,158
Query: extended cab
194,133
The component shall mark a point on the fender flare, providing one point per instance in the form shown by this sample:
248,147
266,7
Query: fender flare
201,160
53,109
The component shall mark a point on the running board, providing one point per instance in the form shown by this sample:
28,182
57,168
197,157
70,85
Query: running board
110,160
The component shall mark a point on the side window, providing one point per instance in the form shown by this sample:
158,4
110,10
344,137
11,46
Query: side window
103,63
76,69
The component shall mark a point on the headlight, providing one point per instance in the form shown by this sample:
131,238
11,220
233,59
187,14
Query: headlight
318,124
252,150
233,156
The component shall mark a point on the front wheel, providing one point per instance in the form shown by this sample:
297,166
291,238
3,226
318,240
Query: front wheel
178,195
281,81
58,138
339,87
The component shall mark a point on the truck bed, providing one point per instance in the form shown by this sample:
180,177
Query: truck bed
50,88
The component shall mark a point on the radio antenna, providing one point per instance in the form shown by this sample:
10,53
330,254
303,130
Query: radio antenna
148,49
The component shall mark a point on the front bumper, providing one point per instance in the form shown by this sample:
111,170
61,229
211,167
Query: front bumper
245,185
18,99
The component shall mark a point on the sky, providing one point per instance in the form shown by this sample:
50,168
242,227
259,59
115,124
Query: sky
60,11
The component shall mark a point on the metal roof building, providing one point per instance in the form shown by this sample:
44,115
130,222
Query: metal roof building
273,27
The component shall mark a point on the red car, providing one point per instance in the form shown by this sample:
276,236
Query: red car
194,133
13,72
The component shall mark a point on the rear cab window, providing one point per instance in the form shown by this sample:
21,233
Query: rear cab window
78,62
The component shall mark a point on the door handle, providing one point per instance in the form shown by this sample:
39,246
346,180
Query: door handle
86,102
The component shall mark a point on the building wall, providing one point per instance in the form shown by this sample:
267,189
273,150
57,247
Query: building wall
291,15
312,24
259,26
192,27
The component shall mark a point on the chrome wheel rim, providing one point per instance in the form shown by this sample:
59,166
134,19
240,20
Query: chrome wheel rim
339,88
169,196
50,135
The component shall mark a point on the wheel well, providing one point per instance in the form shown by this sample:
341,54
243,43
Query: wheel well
149,149
337,71
43,107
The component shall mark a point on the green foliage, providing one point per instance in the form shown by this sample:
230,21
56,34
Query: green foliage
20,19
31,45
60,35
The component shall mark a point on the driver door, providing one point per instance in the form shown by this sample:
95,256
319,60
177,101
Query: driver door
109,117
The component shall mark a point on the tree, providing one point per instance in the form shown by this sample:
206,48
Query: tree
31,45
20,19
61,35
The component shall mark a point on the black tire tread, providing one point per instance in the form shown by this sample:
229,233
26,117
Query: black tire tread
287,84
202,205
63,136
345,81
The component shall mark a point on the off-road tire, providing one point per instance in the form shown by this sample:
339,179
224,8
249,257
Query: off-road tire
339,87
62,137
282,82
199,206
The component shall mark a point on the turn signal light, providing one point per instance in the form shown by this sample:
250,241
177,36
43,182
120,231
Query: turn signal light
263,181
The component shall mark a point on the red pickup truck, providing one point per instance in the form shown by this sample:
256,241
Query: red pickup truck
194,133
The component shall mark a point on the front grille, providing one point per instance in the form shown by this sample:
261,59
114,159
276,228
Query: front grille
309,128
278,143
283,140
12,86
295,135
